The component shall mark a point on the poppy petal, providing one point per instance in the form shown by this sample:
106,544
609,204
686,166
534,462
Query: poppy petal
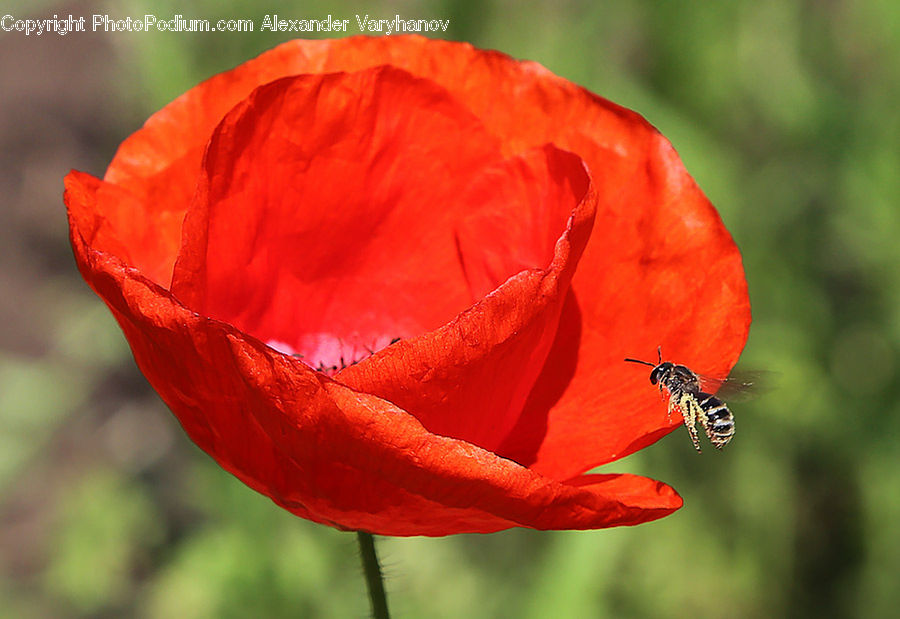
327,206
659,269
469,379
671,274
160,163
272,249
701,321
320,449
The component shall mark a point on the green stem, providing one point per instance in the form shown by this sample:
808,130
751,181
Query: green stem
374,579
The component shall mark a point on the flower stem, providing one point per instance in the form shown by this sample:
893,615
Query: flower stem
374,579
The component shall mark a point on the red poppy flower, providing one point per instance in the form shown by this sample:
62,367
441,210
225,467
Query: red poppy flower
520,235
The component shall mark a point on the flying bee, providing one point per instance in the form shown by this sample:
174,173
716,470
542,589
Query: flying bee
686,390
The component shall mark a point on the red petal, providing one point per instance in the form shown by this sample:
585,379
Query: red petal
160,163
469,379
661,269
677,282
320,449
274,249
328,207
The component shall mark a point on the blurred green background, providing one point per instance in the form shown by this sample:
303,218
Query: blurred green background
787,115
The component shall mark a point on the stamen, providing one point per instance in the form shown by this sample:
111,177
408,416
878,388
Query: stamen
330,354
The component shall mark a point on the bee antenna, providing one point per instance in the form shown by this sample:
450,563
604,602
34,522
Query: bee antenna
659,353
643,362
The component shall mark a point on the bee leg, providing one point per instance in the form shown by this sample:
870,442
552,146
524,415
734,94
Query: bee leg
673,404
691,411
695,439
671,409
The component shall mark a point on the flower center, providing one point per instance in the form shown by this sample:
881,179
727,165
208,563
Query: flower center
329,354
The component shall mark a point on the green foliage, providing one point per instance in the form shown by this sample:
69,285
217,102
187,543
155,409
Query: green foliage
105,527
252,559
785,113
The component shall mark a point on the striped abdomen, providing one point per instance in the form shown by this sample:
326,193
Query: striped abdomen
716,419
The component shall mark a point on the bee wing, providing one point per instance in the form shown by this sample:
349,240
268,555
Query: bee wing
740,384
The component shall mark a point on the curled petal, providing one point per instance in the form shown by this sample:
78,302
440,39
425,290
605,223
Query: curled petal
274,249
509,382
661,269
469,379
327,205
323,450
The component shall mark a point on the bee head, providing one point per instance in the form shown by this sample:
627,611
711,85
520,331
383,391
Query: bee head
660,370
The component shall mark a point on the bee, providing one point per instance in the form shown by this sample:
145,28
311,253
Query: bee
686,394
